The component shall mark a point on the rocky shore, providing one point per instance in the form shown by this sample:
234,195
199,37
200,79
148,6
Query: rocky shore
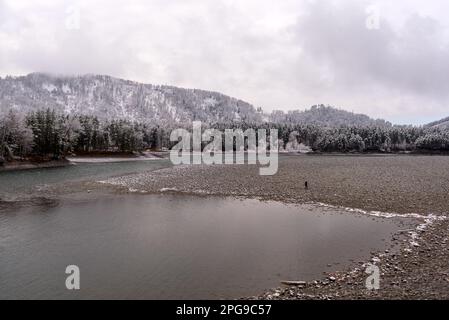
419,271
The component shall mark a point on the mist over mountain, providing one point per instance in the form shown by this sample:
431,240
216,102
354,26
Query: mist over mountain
110,98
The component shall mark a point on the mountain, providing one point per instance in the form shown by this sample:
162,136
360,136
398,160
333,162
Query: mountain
326,116
443,123
110,98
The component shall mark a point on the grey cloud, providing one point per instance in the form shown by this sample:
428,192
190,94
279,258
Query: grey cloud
413,60
254,50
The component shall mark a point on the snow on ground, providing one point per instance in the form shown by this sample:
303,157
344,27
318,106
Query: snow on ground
108,159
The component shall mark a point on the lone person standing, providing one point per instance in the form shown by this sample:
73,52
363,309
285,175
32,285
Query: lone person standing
306,185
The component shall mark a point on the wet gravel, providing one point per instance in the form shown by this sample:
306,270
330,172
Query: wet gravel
401,184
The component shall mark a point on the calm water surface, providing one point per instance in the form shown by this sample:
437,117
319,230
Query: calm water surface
175,247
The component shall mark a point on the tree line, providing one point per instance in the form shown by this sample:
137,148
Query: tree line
50,135
45,133
370,138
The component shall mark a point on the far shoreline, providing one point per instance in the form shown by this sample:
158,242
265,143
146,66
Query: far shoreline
87,158
115,157
29,165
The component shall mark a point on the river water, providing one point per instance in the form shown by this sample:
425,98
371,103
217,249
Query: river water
18,182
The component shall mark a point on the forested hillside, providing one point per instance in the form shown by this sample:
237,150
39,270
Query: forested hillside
50,134
325,116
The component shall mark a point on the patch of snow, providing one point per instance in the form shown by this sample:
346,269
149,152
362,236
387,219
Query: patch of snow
108,160
168,190
49,87
66,89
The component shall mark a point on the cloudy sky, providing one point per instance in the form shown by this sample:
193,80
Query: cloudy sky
388,59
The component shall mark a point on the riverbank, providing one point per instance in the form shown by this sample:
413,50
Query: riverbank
400,184
420,271
87,158
391,184
27,165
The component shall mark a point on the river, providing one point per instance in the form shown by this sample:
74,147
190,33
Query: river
169,246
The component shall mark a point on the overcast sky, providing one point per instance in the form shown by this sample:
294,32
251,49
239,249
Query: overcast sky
388,59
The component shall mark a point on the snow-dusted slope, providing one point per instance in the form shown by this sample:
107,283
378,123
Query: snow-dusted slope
442,124
326,116
111,98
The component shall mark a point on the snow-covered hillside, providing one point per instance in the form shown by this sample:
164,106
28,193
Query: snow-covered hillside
442,124
111,98
326,116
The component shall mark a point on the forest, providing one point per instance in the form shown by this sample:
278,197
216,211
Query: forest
45,135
